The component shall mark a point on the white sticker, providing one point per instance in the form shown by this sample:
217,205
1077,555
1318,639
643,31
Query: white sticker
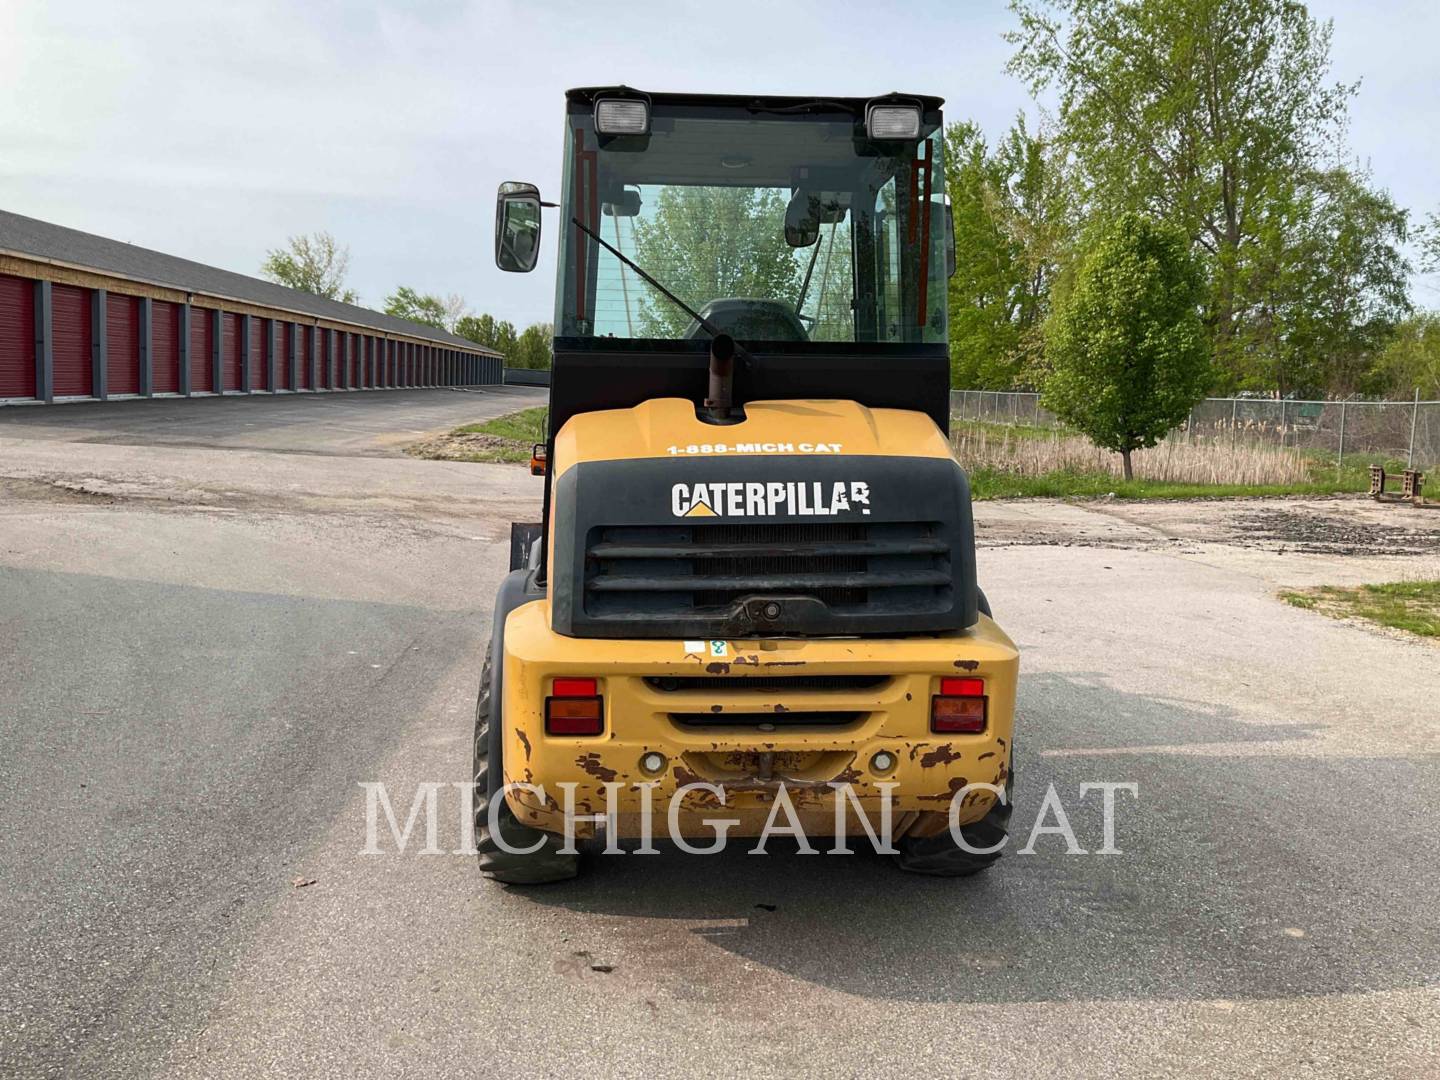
719,648
696,647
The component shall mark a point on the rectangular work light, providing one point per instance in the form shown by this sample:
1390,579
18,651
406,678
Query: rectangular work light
622,116
891,121
959,708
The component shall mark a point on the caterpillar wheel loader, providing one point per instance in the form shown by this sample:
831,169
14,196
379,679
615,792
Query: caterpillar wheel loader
754,578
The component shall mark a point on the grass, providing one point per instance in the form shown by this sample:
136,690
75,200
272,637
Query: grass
990,483
505,439
1412,606
526,426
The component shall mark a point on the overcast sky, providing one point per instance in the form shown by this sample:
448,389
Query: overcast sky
214,131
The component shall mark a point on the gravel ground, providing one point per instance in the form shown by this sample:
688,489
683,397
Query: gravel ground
206,645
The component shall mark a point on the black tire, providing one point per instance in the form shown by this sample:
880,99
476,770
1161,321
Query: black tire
940,856
545,864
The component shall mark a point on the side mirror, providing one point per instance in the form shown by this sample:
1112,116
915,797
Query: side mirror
517,227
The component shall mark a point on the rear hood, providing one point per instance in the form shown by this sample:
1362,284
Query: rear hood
669,428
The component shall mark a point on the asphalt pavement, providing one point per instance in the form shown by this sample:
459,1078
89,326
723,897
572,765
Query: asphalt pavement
215,629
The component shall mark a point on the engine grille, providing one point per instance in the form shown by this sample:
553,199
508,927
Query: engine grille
713,570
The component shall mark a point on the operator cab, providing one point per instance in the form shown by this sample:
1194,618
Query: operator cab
812,231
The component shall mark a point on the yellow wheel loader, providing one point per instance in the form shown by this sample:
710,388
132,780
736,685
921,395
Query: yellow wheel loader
752,599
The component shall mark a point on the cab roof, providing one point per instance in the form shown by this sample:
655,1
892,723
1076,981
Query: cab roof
760,102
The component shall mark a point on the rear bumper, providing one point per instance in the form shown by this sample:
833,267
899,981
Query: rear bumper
888,712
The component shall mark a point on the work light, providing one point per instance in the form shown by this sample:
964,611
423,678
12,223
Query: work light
891,121
622,116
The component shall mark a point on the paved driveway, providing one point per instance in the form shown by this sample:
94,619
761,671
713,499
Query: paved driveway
208,641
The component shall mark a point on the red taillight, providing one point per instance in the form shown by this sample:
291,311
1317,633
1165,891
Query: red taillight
962,687
959,708
574,708
574,688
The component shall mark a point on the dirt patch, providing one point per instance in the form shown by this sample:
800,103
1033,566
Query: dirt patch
1338,533
471,447
51,491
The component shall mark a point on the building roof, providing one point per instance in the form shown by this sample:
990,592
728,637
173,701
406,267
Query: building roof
35,239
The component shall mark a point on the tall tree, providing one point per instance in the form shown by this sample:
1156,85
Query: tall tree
1196,111
313,263
532,348
1125,345
455,309
478,328
704,243
407,303
1411,359
1330,284
1010,236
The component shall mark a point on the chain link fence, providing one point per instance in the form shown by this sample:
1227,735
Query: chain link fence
1371,431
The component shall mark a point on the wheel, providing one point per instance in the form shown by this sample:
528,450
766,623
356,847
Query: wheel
939,856
547,863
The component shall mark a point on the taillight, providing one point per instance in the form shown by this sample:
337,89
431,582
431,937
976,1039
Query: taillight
959,708
574,708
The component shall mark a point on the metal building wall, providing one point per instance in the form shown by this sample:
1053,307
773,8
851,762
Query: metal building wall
63,339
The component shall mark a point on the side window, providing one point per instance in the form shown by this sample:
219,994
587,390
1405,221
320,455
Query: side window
888,256
829,310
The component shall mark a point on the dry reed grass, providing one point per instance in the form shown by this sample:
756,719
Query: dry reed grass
1206,460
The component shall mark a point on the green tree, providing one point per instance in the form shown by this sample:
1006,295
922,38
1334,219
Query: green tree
1010,237
1330,285
1200,112
705,243
478,328
1410,360
486,330
1125,345
312,263
506,339
406,303
533,347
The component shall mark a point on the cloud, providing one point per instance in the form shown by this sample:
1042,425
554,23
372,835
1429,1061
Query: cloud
214,130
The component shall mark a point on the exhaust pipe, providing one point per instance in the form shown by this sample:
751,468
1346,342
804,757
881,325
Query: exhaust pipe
718,403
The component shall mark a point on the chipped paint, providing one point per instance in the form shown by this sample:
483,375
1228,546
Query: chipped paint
941,755
592,764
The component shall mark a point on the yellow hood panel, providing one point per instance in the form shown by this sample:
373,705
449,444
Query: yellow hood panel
667,427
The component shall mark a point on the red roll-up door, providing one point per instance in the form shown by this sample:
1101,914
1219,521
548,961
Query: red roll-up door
302,357
355,360
122,344
71,324
283,336
164,347
202,338
230,352
259,339
322,359
17,337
